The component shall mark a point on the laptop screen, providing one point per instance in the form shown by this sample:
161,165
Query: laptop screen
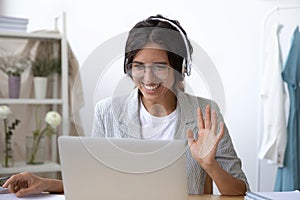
101,168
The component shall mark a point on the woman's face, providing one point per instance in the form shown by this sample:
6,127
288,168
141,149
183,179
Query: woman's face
152,74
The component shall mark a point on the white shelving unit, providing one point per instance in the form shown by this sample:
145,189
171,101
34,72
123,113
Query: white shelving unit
31,101
52,165
48,166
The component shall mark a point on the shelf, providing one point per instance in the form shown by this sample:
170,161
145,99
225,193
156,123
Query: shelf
31,101
58,100
48,166
25,35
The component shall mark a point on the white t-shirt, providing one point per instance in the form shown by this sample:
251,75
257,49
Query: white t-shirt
162,128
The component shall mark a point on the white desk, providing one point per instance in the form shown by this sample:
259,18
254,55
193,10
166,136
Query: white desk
11,196
62,197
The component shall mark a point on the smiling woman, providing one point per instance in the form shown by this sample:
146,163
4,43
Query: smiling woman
157,58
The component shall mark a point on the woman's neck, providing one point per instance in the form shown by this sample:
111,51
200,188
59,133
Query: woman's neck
161,107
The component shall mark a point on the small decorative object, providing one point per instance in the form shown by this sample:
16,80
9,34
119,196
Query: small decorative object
35,150
35,142
13,66
14,84
41,68
8,160
40,87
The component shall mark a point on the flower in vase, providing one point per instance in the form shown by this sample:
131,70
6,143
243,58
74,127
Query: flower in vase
13,65
52,119
4,112
8,130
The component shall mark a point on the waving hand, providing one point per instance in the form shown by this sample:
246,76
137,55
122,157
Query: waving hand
204,148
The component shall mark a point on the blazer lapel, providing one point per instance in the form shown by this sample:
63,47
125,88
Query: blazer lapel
127,115
186,114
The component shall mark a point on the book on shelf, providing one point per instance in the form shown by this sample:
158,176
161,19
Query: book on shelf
13,20
290,195
9,27
13,24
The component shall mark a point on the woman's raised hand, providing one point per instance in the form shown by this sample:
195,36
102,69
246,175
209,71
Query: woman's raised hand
204,148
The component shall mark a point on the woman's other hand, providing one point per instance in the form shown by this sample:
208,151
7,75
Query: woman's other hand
26,183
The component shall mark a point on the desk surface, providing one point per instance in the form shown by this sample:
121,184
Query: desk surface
215,197
11,196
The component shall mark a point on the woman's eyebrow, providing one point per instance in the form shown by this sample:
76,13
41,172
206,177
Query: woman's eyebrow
161,62
141,63
137,62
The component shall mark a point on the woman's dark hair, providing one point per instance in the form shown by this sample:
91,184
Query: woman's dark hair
163,33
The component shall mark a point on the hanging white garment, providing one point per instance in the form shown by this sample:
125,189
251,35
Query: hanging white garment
272,99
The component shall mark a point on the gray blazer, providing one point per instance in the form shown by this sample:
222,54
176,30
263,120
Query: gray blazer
119,117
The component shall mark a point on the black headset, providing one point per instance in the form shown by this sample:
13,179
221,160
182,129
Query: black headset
187,62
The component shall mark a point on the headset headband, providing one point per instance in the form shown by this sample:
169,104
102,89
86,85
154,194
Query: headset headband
186,61
187,67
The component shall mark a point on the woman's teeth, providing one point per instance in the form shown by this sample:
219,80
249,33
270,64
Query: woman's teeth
151,87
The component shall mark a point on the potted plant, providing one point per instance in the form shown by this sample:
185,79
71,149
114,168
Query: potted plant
13,66
41,68
56,65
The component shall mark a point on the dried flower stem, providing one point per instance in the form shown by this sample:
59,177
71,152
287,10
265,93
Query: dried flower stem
7,140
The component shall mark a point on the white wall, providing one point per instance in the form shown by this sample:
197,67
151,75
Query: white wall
229,31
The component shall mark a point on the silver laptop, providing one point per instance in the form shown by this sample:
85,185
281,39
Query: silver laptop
123,169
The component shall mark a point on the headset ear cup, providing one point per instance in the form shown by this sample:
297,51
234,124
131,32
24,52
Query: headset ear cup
126,65
188,68
183,70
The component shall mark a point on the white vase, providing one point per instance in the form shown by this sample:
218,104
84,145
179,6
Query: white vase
35,150
40,87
